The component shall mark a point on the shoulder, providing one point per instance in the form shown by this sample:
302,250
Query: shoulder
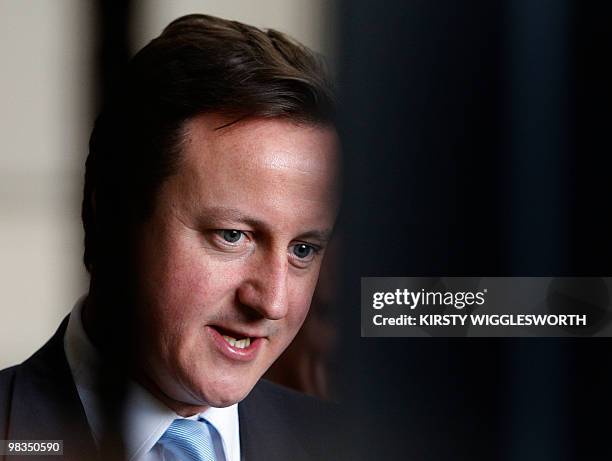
42,389
292,403
279,420
7,378
16,386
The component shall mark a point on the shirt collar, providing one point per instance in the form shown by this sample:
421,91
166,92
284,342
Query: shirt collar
146,418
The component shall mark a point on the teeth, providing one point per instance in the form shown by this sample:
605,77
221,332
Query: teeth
230,340
239,343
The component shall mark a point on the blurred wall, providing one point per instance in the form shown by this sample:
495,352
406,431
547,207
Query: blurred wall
47,89
45,84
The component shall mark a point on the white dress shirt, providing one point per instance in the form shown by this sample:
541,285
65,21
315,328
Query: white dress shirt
146,418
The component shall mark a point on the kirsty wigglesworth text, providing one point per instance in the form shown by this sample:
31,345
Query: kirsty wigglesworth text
506,320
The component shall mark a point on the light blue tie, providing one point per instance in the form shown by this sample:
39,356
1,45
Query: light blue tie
190,440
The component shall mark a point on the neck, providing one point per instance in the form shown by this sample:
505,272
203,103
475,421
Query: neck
88,320
180,408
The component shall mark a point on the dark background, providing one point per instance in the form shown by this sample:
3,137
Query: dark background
477,142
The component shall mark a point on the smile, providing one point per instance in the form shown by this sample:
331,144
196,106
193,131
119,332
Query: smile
239,343
238,346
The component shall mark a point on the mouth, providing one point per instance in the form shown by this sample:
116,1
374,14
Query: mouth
239,343
236,345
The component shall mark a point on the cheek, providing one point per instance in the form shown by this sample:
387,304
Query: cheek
172,281
188,287
300,299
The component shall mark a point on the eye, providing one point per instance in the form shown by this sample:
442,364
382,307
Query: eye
230,240
231,235
304,251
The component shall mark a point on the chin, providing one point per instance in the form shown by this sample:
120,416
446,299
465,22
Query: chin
225,398
222,393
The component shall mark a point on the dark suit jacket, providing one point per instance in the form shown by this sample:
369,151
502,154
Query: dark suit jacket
39,401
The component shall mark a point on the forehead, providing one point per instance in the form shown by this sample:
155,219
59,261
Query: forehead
267,164
273,142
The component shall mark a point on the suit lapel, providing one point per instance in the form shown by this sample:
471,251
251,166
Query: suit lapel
46,405
264,434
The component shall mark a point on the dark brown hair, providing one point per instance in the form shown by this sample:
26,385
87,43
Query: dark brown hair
198,64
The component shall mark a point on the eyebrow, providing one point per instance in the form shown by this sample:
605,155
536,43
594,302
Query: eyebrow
322,236
233,214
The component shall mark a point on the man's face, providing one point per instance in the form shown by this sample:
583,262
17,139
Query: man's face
229,259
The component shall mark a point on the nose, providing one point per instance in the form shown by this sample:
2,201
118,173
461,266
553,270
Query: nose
265,290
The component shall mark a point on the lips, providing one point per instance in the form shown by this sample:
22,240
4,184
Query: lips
240,346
